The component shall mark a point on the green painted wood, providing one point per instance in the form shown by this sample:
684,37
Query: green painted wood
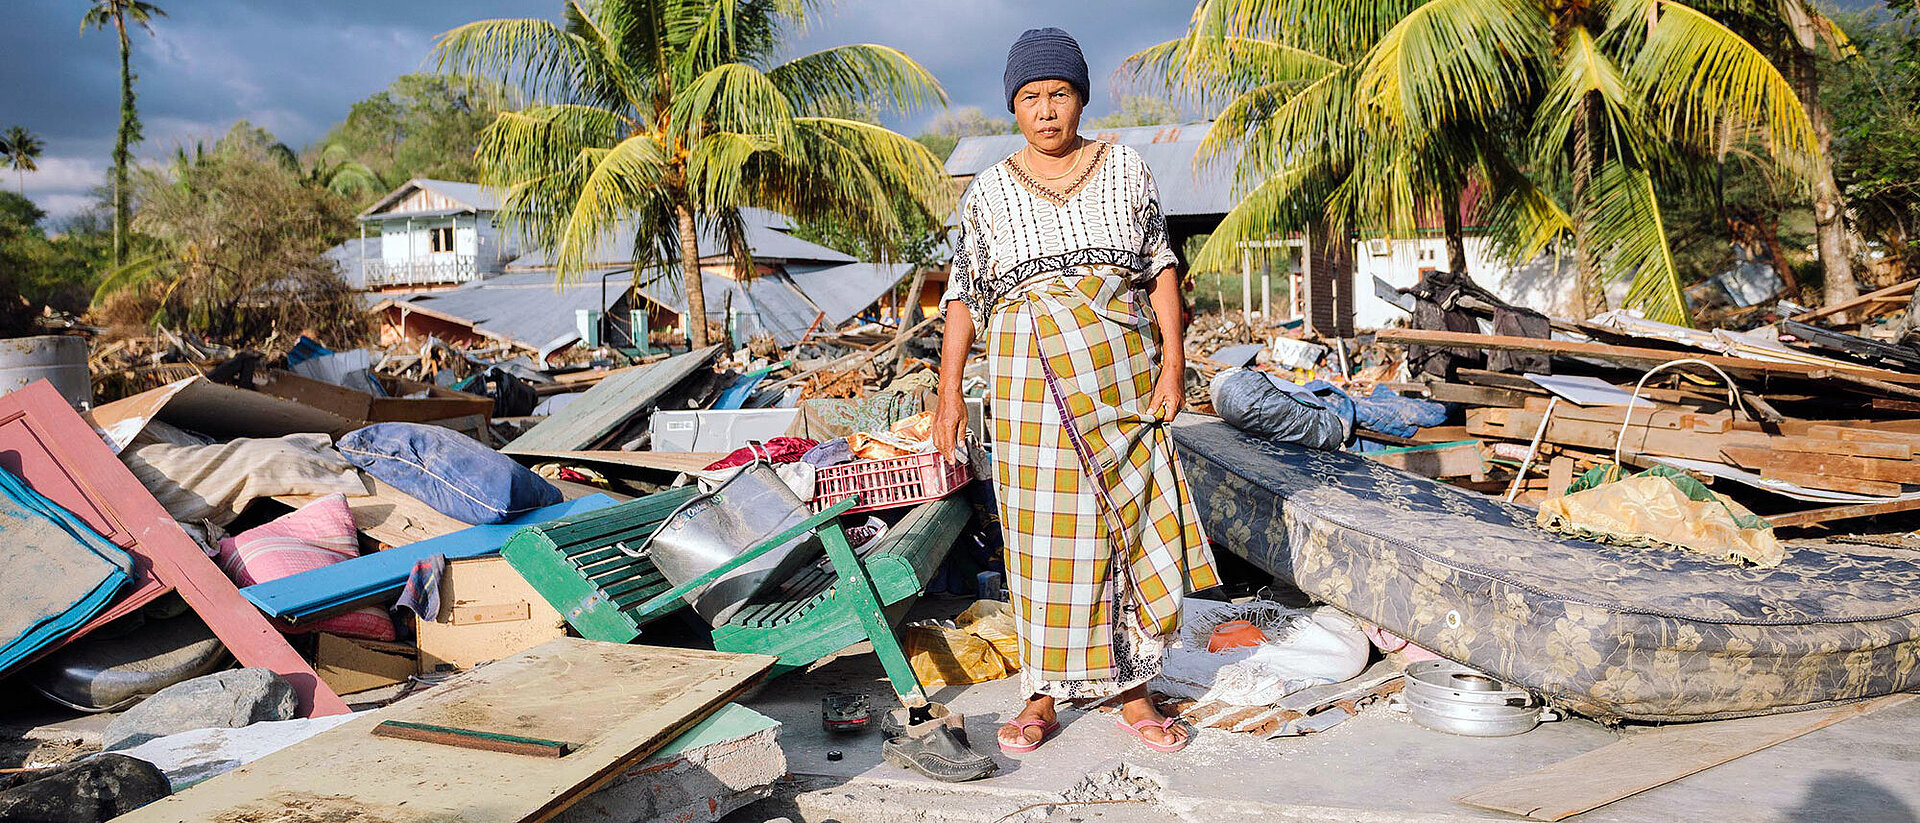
603,409
608,595
896,569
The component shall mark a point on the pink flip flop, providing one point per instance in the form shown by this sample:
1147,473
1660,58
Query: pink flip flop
1139,729
1047,728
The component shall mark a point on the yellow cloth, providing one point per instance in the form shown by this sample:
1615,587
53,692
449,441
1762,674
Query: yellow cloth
1653,509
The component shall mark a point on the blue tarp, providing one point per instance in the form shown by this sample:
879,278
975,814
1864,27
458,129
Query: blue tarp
60,572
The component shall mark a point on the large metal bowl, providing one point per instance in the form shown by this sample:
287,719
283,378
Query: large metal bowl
1445,696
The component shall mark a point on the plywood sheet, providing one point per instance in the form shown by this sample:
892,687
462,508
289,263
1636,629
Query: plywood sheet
1656,758
619,703
603,409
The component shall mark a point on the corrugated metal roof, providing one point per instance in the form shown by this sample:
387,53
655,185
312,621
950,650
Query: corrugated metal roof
526,308
348,256
1170,151
784,304
473,196
767,237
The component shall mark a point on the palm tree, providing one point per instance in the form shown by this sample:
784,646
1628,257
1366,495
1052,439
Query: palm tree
654,116
21,149
99,16
1575,114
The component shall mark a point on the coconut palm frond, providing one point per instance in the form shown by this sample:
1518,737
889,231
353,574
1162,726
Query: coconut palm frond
1632,238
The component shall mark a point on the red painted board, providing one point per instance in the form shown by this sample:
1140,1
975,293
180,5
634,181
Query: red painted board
45,443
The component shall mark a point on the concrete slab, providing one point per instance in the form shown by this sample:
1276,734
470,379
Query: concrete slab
1378,766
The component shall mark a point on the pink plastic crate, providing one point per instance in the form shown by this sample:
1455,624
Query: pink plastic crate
889,482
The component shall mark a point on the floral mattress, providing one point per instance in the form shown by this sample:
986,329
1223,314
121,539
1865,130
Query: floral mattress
1612,632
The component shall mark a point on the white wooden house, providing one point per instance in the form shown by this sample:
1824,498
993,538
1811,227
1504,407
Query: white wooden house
432,233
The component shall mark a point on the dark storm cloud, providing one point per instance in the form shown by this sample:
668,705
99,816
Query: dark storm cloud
294,66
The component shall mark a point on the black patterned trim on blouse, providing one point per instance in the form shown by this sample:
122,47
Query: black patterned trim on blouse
981,293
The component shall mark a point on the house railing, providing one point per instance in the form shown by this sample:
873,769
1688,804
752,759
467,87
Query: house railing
459,269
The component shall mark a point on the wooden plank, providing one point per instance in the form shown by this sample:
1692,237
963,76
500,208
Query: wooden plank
1827,515
1865,299
1851,447
1559,475
1476,395
47,445
1461,459
1656,758
1839,465
620,703
605,408
1886,404
1831,482
470,739
1634,356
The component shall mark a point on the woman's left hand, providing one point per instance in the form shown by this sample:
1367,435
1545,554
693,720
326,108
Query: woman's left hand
1169,395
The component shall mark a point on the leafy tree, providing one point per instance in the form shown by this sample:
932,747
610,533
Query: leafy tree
1575,114
21,149
239,241
953,124
116,13
1876,107
421,125
39,271
651,116
1139,110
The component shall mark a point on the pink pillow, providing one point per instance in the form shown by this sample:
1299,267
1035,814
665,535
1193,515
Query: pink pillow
320,534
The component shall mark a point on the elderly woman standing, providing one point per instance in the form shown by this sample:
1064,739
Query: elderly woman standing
1064,265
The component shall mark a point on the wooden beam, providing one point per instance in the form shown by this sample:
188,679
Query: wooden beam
1862,300
1811,516
1629,355
1838,465
1829,482
1652,759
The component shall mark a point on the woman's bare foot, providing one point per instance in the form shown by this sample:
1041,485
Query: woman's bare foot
1136,707
1038,708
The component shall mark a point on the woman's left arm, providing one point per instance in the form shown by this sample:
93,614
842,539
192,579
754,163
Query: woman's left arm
1170,387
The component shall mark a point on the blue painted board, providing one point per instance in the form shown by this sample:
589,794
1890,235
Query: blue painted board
742,387
325,590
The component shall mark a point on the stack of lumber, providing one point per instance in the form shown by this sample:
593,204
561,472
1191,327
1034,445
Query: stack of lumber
1811,439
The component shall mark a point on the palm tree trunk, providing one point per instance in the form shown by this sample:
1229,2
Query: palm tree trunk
121,155
696,319
1456,238
1829,206
1592,293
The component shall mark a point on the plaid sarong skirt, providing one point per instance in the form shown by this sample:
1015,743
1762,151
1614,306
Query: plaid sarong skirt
1088,483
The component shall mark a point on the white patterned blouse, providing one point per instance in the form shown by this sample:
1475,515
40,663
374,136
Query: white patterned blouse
1013,230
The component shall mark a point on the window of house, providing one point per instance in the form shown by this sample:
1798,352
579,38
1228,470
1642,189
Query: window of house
443,239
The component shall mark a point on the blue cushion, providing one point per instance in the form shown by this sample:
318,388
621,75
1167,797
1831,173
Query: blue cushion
449,471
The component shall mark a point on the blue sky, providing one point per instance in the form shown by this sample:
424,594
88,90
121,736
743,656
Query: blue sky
294,66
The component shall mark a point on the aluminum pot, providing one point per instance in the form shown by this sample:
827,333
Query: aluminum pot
1445,696
713,528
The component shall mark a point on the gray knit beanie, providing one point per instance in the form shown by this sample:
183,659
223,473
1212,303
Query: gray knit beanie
1046,54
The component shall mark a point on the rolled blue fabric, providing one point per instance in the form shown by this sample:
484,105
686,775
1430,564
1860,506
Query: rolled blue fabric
1046,54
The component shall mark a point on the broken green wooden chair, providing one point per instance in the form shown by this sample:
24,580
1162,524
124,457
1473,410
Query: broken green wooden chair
578,565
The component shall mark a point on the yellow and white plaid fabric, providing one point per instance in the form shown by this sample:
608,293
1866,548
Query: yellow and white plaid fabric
1099,482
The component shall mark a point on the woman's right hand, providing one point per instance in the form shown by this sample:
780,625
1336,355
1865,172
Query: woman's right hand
950,426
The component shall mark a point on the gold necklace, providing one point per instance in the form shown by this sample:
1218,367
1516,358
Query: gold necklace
1077,153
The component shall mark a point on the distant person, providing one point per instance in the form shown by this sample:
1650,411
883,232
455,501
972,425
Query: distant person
1063,264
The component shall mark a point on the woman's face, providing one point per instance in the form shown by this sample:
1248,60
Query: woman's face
1048,112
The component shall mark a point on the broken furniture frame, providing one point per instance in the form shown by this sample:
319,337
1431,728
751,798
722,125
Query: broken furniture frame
577,564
